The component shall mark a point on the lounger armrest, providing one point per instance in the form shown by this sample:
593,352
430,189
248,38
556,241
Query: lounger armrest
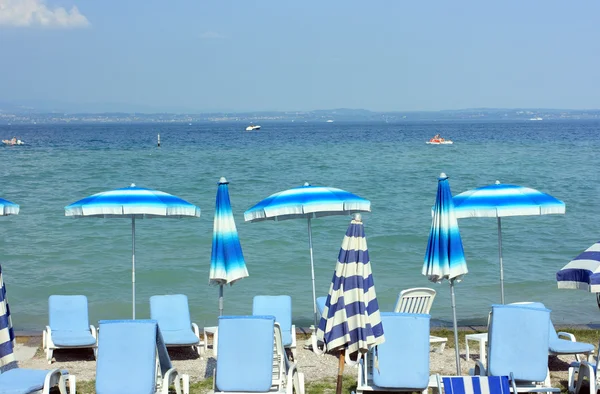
294,380
479,369
196,331
46,336
94,332
293,335
172,377
567,335
54,377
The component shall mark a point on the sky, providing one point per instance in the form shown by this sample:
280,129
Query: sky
263,55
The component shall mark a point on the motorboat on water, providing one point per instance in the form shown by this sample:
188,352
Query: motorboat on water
252,127
13,142
439,141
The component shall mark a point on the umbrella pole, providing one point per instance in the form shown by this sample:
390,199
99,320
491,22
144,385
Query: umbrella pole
338,387
133,263
500,258
456,347
312,271
220,300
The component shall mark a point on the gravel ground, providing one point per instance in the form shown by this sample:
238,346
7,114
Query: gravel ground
81,363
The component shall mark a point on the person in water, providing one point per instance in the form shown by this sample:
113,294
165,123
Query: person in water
437,137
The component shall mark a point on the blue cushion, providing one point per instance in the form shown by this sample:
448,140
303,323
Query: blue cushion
126,357
245,349
22,380
321,304
172,312
518,342
73,338
68,312
404,356
180,337
281,308
476,384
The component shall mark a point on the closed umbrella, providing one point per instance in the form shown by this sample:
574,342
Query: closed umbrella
7,335
444,257
583,272
136,203
227,264
350,322
307,202
501,200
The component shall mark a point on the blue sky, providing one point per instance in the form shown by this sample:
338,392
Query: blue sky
190,55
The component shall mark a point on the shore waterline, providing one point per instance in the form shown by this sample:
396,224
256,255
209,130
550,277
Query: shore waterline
46,253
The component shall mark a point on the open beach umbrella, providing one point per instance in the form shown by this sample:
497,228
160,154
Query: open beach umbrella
307,202
136,203
350,322
7,335
445,257
583,272
501,200
227,260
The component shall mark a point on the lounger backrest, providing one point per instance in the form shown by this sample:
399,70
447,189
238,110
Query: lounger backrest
552,334
126,360
172,312
476,385
278,306
245,348
404,356
518,342
68,313
416,300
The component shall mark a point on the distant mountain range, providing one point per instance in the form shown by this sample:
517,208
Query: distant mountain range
11,113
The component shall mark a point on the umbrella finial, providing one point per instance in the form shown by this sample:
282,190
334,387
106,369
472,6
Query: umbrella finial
222,180
443,176
497,182
306,184
132,185
357,217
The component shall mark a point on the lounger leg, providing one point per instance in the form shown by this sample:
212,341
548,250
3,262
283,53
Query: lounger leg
49,353
72,384
571,379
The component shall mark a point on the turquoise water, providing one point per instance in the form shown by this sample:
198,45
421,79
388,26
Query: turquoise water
43,252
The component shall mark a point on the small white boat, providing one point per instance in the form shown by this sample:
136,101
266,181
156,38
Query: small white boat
12,142
537,118
330,121
439,142
252,127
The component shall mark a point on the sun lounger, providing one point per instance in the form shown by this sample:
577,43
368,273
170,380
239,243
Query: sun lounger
475,384
584,370
28,381
69,326
129,352
251,358
280,307
403,359
172,313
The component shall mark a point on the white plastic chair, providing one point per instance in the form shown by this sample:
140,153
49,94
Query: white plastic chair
419,300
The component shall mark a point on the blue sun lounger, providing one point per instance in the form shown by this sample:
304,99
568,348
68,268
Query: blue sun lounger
172,313
281,307
475,384
29,381
127,359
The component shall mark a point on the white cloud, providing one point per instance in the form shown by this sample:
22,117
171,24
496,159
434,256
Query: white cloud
26,13
208,35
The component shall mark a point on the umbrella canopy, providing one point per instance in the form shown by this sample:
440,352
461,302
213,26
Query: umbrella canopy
227,263
132,202
7,335
501,200
445,257
350,321
583,272
307,202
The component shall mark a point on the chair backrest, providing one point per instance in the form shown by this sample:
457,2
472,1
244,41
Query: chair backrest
278,306
416,300
126,360
245,349
552,334
404,356
68,313
476,385
518,342
172,312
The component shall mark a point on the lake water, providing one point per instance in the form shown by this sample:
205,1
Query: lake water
44,253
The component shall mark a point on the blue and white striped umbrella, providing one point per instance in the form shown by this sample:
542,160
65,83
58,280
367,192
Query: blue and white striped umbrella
7,335
136,203
583,272
351,322
445,257
227,263
307,202
501,200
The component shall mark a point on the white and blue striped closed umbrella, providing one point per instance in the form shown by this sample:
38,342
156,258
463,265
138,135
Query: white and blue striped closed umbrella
445,256
227,263
350,321
502,200
136,203
307,202
583,272
7,335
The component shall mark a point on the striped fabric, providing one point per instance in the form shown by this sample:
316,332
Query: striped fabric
476,385
350,318
227,260
444,257
8,208
132,201
7,335
307,201
500,200
583,272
